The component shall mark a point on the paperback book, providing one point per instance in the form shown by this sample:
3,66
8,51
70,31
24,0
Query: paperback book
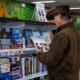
39,43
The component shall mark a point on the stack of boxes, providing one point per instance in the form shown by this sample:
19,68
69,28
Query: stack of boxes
4,65
16,38
16,68
5,43
4,39
12,67
13,39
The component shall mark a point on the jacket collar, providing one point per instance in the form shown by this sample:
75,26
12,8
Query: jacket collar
70,24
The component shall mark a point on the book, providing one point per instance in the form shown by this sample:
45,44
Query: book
28,66
40,43
40,12
32,66
28,41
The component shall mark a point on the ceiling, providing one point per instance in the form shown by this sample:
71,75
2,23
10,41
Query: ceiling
71,3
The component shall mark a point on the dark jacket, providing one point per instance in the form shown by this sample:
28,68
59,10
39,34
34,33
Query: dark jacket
62,59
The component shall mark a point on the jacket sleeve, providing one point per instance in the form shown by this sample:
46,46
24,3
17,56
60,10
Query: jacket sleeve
58,48
42,57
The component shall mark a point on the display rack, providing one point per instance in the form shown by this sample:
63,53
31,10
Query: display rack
11,52
32,76
23,51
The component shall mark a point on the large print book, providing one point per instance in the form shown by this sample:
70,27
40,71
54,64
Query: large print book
39,43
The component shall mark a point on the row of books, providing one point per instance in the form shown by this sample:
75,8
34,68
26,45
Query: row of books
32,66
13,66
10,38
14,38
37,38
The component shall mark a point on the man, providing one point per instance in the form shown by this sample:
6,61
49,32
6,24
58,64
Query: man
62,59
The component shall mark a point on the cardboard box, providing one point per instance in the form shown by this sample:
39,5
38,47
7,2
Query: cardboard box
5,65
4,61
4,70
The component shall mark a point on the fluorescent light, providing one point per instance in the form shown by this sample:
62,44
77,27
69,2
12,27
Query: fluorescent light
43,2
75,8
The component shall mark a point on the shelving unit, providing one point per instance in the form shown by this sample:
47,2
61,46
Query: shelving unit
35,75
9,53
32,76
4,20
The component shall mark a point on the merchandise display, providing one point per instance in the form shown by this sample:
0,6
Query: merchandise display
11,66
32,66
20,64
12,39
16,68
22,11
16,10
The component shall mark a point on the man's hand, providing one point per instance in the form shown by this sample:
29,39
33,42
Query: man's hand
41,56
39,51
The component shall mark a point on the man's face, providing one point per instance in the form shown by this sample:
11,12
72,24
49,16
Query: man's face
57,20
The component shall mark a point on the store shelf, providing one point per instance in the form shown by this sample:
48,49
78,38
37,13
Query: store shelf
35,75
11,52
26,21
14,50
19,79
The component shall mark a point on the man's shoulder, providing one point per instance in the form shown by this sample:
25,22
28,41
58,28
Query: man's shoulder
67,31
61,34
